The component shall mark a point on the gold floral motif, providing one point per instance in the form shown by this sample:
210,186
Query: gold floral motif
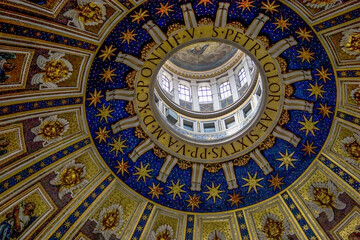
213,167
145,51
90,13
283,64
159,152
130,79
129,108
289,90
355,94
71,177
164,232
139,133
110,220
183,164
174,27
205,21
237,25
353,43
267,143
273,229
264,40
55,70
284,118
351,145
242,161
51,130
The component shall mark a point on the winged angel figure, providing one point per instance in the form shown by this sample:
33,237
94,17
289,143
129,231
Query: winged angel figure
87,13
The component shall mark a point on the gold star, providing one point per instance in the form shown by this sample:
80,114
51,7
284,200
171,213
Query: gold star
118,145
164,9
305,55
309,126
281,23
95,98
143,172
245,4
155,191
213,192
193,201
235,199
128,36
104,113
107,53
316,90
102,134
276,182
176,189
269,7
122,167
139,16
286,160
323,74
252,182
325,110
108,74
204,2
308,148
304,34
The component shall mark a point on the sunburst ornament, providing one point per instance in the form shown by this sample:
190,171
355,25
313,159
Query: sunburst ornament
316,90
323,74
95,98
122,167
235,199
70,178
102,134
176,189
110,221
309,125
325,110
193,201
143,172
50,130
205,2
282,23
118,145
245,5
270,7
305,55
286,160
108,74
164,9
252,182
276,181
107,53
104,113
155,191
128,36
308,148
139,16
304,34
214,192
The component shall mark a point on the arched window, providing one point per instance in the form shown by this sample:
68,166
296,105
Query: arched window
184,92
242,77
165,83
225,90
204,93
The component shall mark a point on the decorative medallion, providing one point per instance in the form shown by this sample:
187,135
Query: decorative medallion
110,221
50,130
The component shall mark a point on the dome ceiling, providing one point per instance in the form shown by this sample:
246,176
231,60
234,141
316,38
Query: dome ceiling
83,156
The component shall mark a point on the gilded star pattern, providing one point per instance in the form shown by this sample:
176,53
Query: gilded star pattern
235,199
213,192
304,34
269,7
252,182
325,110
316,90
155,191
276,182
282,23
205,2
107,53
176,189
104,113
118,145
108,74
286,160
128,36
309,125
95,98
308,148
143,172
193,201
245,4
323,74
164,9
102,134
139,16
305,55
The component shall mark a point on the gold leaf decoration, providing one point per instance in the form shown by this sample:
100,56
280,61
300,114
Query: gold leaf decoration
145,51
183,164
130,79
241,161
284,118
213,167
267,143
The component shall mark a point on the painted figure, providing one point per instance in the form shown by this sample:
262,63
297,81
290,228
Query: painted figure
5,66
17,221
